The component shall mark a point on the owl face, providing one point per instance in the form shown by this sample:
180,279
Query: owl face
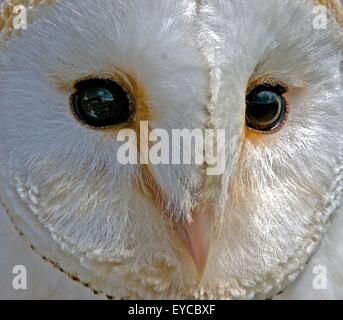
84,71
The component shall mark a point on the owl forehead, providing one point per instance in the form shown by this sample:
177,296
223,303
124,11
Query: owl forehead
240,49
8,12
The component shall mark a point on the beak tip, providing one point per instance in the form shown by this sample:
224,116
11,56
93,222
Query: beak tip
199,273
196,238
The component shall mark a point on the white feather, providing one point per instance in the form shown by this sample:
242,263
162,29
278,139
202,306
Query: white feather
61,183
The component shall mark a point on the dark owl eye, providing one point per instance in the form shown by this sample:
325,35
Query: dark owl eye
101,103
266,108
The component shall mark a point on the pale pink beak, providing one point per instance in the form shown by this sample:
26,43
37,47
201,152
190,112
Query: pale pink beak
196,237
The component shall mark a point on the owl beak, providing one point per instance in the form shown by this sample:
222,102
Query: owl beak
196,237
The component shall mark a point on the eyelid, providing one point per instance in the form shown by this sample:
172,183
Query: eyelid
271,82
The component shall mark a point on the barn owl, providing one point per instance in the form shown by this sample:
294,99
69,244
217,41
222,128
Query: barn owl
260,70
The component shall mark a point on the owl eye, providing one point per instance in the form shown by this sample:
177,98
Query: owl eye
266,108
101,103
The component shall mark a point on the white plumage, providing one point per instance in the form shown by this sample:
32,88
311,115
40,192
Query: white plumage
189,63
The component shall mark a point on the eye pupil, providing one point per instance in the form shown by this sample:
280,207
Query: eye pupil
266,109
101,103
